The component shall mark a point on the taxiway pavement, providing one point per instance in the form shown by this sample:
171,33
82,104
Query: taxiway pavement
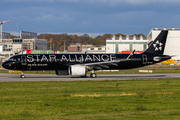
10,77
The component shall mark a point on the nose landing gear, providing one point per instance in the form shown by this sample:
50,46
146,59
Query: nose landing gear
22,75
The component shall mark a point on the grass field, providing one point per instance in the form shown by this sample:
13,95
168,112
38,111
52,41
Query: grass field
91,100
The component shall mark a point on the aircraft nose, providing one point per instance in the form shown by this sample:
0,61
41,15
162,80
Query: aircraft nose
4,65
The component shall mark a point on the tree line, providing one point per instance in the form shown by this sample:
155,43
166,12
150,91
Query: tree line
56,41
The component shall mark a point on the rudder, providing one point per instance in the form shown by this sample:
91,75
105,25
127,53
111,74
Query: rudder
158,45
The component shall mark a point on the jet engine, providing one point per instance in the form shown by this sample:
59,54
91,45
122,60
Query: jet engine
77,70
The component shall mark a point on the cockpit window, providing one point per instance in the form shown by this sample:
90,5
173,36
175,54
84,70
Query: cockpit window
12,59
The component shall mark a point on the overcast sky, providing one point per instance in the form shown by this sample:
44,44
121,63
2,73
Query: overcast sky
89,16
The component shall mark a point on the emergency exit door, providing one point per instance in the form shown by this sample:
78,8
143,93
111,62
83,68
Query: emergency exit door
145,60
23,60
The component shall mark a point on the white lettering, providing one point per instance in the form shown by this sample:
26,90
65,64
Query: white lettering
44,58
30,58
80,58
71,60
88,58
64,58
96,58
76,58
105,57
112,57
52,58
37,57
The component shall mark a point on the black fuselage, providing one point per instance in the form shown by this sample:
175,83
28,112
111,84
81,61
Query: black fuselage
35,62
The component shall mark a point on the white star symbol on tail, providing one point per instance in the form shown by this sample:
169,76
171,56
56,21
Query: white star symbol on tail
158,46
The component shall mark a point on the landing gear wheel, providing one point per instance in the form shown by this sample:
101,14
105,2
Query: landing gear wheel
93,75
22,76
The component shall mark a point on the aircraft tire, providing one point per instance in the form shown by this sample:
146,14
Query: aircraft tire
93,75
22,76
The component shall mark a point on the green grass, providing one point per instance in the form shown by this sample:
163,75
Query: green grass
97,100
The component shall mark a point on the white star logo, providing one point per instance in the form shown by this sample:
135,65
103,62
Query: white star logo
158,46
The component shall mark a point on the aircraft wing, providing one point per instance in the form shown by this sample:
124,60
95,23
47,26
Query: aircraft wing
100,65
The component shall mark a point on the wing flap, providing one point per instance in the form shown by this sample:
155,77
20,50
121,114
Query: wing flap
104,66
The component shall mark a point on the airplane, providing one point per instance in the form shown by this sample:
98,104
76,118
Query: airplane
80,64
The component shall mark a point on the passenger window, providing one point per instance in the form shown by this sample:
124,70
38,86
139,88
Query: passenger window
10,59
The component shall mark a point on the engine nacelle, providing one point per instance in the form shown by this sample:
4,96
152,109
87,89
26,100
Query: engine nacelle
77,70
62,72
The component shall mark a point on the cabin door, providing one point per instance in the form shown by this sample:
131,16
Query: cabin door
23,60
144,57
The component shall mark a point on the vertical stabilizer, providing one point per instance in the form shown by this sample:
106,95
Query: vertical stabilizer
158,45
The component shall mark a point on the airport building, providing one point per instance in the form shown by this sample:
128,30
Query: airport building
18,45
88,48
115,45
94,49
10,47
27,41
120,44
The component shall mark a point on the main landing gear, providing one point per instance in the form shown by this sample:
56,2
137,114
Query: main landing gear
93,75
22,75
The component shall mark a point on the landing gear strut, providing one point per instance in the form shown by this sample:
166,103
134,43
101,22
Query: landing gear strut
93,75
22,75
